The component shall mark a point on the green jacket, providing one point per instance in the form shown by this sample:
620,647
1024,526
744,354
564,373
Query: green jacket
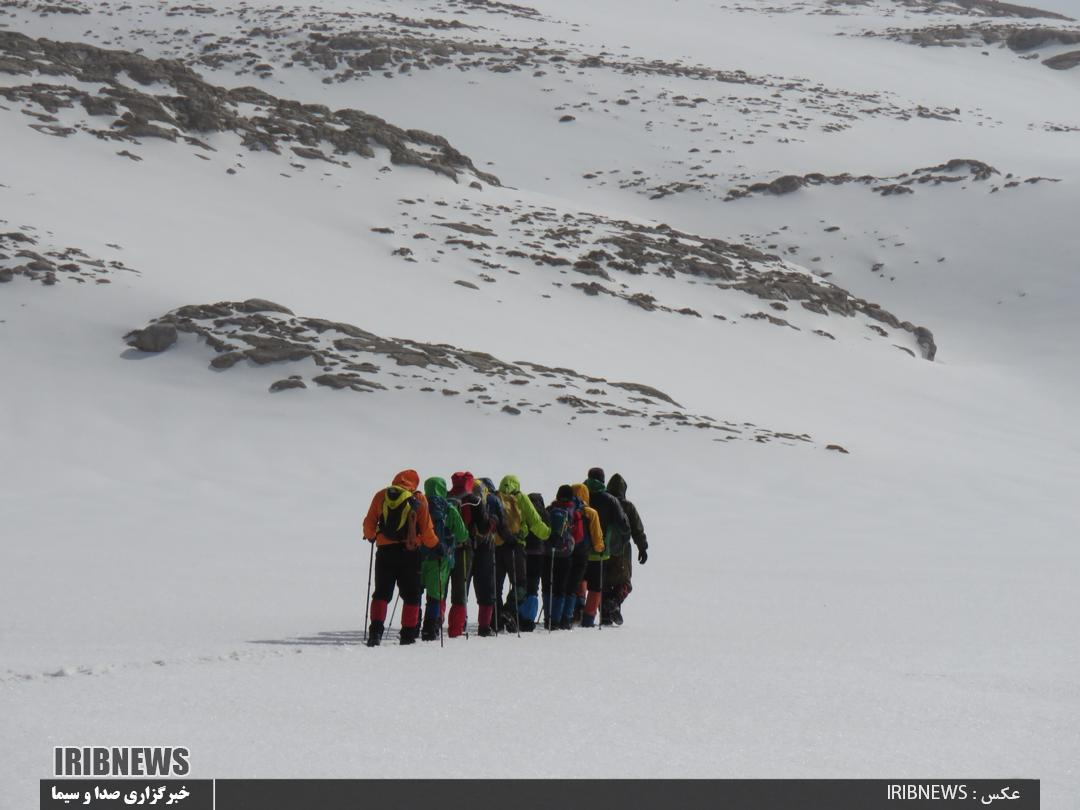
531,522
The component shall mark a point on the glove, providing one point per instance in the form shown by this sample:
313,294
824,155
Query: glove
642,556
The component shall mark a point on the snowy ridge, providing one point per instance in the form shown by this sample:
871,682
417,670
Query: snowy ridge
263,333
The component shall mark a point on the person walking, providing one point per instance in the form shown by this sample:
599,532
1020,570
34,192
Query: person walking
436,563
617,578
399,523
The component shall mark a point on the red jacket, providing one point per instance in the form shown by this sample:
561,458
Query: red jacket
425,531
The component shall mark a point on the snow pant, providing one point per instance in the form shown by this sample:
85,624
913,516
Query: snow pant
579,561
510,566
617,577
459,579
435,575
594,576
397,566
553,586
483,582
535,566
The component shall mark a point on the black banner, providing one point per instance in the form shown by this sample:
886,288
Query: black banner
544,794
631,794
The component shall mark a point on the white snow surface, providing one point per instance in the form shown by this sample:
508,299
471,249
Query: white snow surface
182,560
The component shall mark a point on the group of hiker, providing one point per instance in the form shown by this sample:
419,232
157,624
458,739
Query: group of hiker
571,558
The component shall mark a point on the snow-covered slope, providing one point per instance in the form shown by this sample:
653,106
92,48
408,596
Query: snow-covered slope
707,245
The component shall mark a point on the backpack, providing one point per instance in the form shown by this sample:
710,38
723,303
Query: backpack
475,516
562,522
511,517
397,507
438,509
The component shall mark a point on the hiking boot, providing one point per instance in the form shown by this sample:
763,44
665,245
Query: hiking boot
430,631
527,625
567,623
484,632
375,634
409,634
616,617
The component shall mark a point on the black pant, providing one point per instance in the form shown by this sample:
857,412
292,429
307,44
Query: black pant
483,574
459,576
553,578
509,565
594,574
396,565
536,566
579,561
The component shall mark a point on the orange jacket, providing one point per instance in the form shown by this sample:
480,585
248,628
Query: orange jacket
592,518
425,531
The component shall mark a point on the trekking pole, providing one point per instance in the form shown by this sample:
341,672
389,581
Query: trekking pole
494,584
390,623
517,609
367,598
600,607
441,600
551,589
468,571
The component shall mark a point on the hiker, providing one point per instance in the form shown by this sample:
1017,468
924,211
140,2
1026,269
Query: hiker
573,610
484,570
519,519
461,494
436,563
614,525
620,570
537,556
565,519
399,523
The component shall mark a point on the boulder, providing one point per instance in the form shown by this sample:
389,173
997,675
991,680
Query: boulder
157,337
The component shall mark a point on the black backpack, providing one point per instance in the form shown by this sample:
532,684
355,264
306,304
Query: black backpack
561,520
398,505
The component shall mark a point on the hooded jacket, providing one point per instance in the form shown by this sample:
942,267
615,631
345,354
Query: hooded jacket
533,544
612,517
531,522
592,521
454,532
617,487
425,532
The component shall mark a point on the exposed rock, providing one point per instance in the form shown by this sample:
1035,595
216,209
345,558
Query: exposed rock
1063,61
285,385
837,448
154,338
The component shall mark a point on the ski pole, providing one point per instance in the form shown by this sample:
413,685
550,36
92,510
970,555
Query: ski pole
467,572
600,607
551,589
390,623
494,585
517,608
367,602
441,599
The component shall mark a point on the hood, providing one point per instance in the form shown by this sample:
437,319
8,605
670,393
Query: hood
617,486
407,479
594,485
538,502
582,492
487,482
510,485
462,483
435,487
